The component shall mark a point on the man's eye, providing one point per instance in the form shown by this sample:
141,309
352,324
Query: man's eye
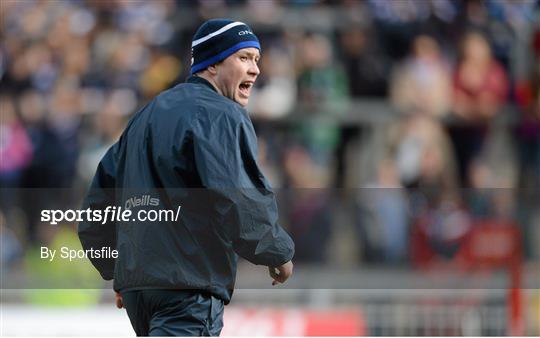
243,58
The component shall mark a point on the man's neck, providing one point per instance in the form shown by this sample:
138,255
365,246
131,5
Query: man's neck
208,78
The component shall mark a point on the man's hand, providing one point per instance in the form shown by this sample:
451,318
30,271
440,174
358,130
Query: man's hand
119,301
281,273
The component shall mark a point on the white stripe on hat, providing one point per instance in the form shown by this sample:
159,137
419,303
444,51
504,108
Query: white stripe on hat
219,31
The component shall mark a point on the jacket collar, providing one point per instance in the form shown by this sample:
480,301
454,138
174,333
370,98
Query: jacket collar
200,80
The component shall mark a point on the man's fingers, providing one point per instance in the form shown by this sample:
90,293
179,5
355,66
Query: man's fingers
274,274
279,275
119,301
280,278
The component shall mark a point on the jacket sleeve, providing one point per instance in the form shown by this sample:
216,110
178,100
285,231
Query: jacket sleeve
96,235
225,156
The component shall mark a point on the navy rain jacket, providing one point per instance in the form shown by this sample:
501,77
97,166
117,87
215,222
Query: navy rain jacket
194,148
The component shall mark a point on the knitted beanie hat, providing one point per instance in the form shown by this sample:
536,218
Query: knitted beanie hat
216,39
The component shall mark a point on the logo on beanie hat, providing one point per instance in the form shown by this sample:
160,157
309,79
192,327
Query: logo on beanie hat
216,39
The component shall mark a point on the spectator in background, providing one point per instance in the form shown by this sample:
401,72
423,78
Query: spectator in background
397,23
64,119
269,161
108,126
161,71
53,128
528,131
490,197
321,82
502,21
422,82
528,138
383,217
128,59
322,89
33,109
275,93
480,91
306,205
15,152
438,233
10,246
426,166
424,156
480,82
41,172
364,63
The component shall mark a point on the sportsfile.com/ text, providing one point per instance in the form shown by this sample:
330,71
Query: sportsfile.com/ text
109,214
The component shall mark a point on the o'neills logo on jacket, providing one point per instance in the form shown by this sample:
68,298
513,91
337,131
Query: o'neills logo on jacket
144,200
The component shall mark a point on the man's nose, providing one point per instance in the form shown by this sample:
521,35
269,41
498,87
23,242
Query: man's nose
254,69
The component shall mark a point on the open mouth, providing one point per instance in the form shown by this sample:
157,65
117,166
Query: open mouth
245,88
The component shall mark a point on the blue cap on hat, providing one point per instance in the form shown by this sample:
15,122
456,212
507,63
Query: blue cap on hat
216,39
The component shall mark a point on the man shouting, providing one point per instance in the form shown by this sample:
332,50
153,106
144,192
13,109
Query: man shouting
193,147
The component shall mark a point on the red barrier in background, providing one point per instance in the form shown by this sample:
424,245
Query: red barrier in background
494,244
241,321
489,244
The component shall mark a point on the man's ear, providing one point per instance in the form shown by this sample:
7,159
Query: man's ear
212,69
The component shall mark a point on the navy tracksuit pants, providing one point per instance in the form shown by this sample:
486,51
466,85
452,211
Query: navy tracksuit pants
173,312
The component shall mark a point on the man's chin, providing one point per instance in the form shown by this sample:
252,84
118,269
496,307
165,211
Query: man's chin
242,102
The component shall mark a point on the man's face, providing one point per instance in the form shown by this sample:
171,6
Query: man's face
236,74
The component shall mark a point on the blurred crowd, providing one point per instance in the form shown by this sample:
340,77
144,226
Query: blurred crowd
459,81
